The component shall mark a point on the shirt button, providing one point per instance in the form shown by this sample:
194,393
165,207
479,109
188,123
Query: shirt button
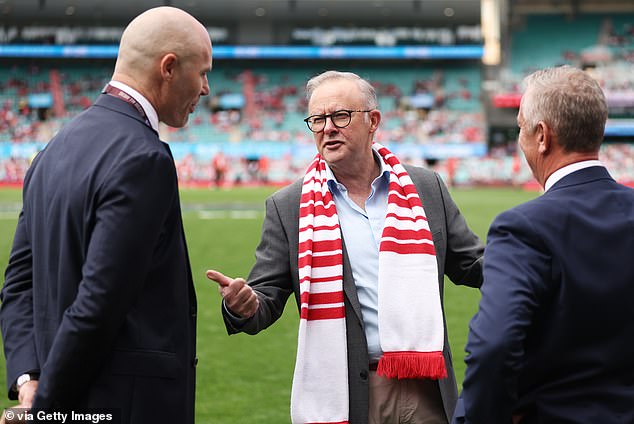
195,362
364,375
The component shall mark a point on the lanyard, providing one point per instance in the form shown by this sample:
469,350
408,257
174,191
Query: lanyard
120,94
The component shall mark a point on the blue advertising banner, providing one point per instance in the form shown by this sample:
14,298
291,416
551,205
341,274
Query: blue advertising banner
260,52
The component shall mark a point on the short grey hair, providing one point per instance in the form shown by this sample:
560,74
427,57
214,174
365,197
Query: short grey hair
570,102
368,92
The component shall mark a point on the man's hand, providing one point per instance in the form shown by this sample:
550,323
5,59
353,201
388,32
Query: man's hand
25,398
27,393
239,297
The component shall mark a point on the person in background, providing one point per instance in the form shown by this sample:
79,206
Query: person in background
552,339
98,304
363,243
220,165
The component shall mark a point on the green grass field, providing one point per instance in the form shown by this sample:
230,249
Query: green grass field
247,379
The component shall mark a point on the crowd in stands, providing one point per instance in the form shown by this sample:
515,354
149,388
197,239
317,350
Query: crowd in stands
250,110
605,47
452,115
508,170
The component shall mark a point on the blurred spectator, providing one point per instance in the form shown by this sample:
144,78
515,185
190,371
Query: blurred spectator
219,165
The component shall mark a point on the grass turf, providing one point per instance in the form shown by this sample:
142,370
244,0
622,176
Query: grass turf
247,379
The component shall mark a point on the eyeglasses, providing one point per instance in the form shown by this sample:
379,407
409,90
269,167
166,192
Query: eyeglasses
340,119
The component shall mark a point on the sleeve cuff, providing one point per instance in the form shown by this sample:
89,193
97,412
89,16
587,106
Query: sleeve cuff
233,317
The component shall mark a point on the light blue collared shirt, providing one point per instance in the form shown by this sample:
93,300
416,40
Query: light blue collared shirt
362,232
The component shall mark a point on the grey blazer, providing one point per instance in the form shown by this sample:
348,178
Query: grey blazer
274,276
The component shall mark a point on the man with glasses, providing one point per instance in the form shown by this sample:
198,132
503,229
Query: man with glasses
363,243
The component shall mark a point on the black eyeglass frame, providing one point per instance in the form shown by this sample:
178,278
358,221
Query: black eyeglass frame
330,115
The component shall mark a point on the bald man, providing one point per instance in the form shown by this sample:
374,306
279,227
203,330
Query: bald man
98,305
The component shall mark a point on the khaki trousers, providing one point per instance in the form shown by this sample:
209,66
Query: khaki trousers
407,401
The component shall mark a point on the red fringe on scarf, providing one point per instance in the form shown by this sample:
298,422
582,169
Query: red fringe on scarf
400,365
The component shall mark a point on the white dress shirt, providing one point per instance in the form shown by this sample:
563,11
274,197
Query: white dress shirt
149,110
569,169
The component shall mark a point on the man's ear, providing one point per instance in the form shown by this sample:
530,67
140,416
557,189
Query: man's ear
375,119
544,137
168,65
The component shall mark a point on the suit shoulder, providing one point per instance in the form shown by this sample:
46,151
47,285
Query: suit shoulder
626,190
107,124
289,194
424,177
427,182
420,172
526,212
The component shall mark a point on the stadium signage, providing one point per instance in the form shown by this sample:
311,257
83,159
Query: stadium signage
388,36
459,52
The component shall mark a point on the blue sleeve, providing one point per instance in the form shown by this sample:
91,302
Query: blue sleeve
16,313
516,271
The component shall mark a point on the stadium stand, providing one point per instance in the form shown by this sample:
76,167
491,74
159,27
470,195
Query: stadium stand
421,105
433,111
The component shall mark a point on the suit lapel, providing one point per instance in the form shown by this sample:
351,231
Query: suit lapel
349,288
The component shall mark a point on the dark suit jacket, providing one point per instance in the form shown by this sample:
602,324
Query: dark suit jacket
554,335
98,296
275,276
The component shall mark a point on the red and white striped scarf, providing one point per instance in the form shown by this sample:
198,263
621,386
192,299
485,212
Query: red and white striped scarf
411,328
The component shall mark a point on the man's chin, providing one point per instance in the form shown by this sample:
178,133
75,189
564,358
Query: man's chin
332,157
178,124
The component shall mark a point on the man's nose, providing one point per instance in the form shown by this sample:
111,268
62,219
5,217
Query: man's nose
329,126
205,90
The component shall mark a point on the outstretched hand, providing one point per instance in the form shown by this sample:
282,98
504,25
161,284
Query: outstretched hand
239,297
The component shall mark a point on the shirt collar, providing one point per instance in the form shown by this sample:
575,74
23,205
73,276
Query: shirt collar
384,175
152,116
569,169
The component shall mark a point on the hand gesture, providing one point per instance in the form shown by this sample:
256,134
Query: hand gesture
239,297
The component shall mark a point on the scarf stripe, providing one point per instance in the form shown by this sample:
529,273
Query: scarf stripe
410,316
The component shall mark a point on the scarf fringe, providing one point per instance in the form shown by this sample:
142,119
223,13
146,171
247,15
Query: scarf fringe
400,365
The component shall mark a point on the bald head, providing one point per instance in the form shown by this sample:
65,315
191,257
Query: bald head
165,54
155,33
